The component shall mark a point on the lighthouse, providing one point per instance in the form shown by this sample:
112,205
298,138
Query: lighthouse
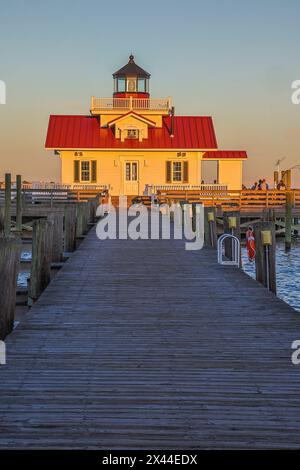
132,144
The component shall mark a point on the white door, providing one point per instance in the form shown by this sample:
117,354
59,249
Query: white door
131,178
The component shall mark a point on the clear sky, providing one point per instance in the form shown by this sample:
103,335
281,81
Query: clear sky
232,59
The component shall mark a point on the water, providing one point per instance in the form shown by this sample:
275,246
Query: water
288,272
23,275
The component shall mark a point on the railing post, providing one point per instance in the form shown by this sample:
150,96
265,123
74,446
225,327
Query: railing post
19,205
7,213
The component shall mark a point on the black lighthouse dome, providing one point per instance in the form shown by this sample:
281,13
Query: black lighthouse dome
131,80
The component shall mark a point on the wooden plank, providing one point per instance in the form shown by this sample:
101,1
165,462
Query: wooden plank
142,344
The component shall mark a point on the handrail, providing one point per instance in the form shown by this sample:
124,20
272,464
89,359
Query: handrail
236,250
240,199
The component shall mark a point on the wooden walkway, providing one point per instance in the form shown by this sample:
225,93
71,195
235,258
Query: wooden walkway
141,344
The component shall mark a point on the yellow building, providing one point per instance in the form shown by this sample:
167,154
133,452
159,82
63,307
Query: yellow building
135,144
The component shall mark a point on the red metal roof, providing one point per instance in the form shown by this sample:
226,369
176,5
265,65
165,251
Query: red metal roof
226,154
84,132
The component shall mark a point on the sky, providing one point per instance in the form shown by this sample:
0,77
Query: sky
234,60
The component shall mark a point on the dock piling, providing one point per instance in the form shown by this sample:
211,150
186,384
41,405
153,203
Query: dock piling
9,262
70,228
210,227
7,213
58,235
232,225
19,204
288,220
41,258
265,258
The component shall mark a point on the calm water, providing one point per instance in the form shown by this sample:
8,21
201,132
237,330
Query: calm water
288,273
287,265
24,273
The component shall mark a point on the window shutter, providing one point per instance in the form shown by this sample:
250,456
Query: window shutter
94,171
168,172
76,171
186,172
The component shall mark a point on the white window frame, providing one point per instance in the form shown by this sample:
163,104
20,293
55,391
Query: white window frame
173,163
88,171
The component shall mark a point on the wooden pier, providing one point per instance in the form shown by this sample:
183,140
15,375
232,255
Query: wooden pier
144,345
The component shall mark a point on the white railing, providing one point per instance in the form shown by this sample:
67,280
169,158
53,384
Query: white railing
146,104
153,188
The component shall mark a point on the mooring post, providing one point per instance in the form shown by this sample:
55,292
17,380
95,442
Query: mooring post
9,263
210,226
19,204
231,221
41,258
57,220
7,213
265,257
288,220
70,228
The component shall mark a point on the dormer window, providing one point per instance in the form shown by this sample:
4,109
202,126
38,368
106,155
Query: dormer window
132,134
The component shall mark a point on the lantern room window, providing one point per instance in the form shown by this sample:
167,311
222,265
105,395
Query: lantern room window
120,84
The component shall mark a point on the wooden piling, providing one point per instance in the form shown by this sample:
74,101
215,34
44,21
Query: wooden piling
57,220
232,225
79,220
288,220
210,227
41,258
19,204
265,258
7,213
2,218
9,263
70,228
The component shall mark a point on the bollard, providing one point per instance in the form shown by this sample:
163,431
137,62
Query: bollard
288,220
41,258
7,213
57,221
210,227
70,228
231,220
265,257
19,205
10,249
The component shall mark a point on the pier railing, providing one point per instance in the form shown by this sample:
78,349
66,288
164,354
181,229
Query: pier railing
245,200
55,195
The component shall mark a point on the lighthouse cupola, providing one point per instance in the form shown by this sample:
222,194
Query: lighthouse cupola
131,80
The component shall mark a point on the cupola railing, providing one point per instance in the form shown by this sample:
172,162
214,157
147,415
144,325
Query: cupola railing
138,104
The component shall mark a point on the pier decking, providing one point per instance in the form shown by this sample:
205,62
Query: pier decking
141,344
